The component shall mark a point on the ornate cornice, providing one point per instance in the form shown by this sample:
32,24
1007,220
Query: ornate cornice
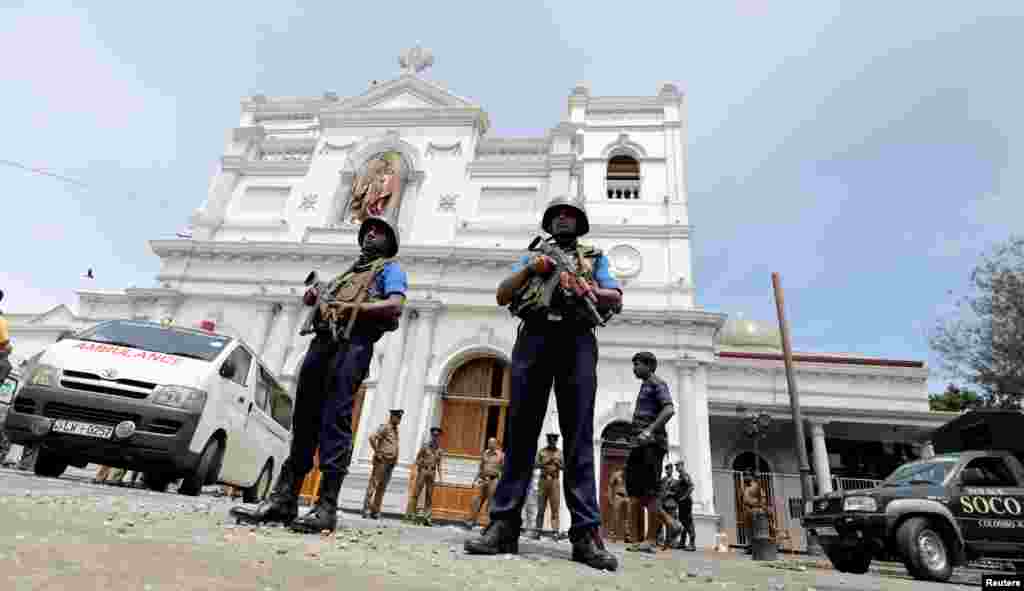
597,230
820,370
442,116
926,419
265,167
502,146
509,168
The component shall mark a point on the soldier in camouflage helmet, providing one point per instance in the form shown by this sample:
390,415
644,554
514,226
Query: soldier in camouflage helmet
556,346
373,289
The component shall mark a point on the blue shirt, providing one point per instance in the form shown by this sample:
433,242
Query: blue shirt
652,399
391,280
602,275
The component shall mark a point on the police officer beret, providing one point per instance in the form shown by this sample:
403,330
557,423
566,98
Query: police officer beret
552,435
436,430
397,412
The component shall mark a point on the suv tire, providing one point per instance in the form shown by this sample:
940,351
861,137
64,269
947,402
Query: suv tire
925,552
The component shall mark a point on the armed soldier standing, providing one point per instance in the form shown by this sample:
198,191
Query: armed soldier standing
684,500
491,463
384,443
549,460
556,344
370,297
428,466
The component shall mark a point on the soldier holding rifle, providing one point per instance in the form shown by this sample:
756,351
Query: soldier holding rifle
561,291
350,315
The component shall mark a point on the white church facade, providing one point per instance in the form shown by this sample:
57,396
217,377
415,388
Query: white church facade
470,203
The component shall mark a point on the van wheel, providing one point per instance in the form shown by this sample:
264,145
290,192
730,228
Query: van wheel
49,464
925,552
258,491
156,482
193,481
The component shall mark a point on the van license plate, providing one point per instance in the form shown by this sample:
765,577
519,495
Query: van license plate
826,531
84,429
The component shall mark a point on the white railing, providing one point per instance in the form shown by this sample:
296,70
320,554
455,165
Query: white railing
846,483
622,189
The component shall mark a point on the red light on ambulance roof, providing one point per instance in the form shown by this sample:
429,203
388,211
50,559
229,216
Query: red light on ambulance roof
207,325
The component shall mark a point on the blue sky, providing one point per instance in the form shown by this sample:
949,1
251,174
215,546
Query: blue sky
867,151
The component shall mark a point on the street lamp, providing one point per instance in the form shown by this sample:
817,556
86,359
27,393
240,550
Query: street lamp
755,426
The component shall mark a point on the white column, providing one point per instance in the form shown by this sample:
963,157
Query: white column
821,468
258,329
412,396
698,439
279,344
394,350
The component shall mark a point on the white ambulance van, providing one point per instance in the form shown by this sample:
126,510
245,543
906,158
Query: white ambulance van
171,402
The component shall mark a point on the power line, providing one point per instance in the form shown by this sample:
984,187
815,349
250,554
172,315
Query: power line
45,172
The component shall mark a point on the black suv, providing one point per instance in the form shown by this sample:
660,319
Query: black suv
954,508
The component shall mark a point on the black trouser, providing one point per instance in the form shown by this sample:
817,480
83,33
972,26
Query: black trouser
686,519
328,381
566,355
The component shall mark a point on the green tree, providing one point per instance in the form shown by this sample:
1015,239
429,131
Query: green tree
954,399
983,343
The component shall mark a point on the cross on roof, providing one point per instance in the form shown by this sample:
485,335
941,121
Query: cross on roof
415,60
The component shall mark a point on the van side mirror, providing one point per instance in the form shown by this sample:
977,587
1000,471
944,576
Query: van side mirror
228,369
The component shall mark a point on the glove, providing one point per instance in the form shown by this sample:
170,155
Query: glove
309,298
541,265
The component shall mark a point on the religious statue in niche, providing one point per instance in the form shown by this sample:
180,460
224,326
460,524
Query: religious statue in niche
378,190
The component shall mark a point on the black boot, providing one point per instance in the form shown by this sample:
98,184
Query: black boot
589,549
500,537
281,506
324,514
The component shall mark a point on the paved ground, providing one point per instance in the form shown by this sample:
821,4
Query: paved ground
71,534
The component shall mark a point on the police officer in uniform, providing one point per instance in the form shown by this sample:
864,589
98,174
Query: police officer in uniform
618,501
331,373
555,345
684,500
428,465
668,504
384,443
491,463
549,460
654,408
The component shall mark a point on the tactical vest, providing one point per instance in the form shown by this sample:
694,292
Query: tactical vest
527,302
347,287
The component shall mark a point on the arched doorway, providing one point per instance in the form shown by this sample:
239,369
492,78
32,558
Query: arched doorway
474,408
614,451
748,461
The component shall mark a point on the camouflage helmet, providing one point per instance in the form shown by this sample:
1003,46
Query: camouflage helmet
391,232
582,223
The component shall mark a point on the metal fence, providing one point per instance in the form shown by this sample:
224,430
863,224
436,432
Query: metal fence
785,499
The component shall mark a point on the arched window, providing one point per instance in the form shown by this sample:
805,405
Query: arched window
623,177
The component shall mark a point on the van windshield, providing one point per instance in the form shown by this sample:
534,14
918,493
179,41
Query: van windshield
150,336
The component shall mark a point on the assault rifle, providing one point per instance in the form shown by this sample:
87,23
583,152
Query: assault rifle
323,301
558,256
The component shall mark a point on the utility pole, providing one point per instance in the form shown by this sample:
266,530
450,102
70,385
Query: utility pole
794,405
